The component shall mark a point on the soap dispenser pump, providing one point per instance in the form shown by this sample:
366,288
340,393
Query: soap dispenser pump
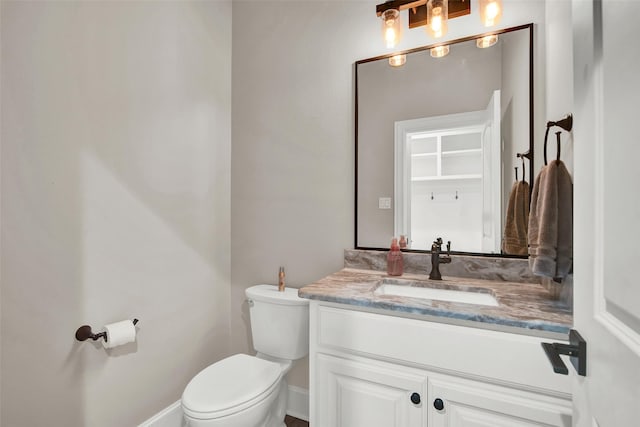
394,259
281,279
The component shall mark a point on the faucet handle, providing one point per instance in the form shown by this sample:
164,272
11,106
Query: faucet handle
438,241
449,247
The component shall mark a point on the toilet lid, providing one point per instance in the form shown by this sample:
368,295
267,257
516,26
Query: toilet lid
228,384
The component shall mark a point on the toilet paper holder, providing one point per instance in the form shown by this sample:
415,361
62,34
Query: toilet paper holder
84,332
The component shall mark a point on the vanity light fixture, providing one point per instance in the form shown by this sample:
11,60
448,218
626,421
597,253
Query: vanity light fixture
442,10
439,51
490,12
435,14
487,41
391,28
398,60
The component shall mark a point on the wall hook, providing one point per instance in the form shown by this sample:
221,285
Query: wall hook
565,123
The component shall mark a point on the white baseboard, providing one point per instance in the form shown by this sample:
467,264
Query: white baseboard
171,416
298,404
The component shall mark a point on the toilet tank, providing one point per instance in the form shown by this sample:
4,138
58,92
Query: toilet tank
279,321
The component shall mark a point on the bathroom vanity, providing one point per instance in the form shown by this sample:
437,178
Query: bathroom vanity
384,354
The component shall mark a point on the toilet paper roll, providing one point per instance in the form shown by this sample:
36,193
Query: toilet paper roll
119,333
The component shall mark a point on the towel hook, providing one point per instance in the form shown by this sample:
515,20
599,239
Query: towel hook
522,156
546,134
565,123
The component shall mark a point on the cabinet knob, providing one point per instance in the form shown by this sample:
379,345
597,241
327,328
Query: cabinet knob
415,398
438,404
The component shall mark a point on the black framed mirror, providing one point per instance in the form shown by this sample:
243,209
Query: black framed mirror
439,141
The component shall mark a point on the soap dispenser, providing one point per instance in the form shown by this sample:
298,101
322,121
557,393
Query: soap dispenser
394,259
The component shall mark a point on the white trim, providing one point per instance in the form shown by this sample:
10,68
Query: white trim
599,306
298,403
608,320
171,416
402,170
624,333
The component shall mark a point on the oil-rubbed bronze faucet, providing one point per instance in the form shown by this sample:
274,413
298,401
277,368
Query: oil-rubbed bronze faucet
436,260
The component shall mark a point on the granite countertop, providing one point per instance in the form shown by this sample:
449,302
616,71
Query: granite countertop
521,305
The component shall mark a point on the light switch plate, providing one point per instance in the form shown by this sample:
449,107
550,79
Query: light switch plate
384,203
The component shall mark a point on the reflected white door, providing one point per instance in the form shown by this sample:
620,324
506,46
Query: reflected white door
607,211
491,178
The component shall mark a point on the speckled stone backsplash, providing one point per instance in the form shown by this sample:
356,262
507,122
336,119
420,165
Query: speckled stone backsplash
473,267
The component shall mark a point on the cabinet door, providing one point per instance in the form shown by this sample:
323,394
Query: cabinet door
368,394
466,403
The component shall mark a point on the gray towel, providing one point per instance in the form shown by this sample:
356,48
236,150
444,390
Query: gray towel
551,222
514,240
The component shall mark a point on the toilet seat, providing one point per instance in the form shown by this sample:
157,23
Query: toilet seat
229,386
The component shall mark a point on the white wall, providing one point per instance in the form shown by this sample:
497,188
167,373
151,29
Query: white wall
292,160
456,220
559,77
115,191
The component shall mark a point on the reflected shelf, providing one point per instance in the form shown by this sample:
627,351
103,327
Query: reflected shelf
449,153
445,177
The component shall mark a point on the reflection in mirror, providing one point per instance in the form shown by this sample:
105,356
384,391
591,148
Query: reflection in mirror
437,140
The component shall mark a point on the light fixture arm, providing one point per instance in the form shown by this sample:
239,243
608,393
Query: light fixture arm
419,8
399,5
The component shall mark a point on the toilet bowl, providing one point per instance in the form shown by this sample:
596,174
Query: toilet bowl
251,391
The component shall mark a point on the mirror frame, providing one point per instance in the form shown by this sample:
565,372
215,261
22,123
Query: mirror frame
424,48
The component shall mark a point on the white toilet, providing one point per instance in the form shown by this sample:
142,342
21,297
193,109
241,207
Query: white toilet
251,391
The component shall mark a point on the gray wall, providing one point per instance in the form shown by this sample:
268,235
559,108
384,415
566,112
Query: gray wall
515,111
116,176
115,191
292,155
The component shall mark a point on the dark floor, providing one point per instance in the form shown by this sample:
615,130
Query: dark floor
294,422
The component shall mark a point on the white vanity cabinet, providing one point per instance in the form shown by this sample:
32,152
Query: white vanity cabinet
476,404
370,369
368,394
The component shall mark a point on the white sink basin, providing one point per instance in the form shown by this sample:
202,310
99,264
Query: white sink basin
415,289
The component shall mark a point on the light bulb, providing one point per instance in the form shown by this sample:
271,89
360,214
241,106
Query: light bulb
436,25
439,51
390,37
490,12
397,60
437,17
391,28
487,41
